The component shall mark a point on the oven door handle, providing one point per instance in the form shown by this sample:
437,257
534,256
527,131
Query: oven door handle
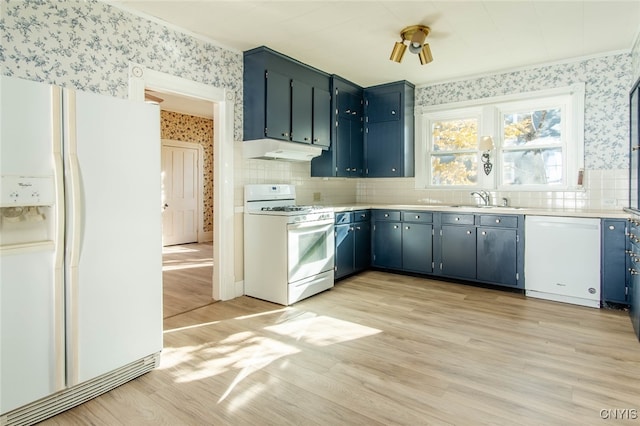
312,224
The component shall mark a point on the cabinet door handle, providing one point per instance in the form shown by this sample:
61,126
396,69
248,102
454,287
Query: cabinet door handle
483,232
417,216
456,219
393,169
348,111
386,215
468,232
285,134
316,140
393,112
353,112
306,139
497,220
395,226
612,228
363,215
406,227
348,169
358,228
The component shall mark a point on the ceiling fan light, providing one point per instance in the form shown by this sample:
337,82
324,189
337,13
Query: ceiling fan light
425,55
398,51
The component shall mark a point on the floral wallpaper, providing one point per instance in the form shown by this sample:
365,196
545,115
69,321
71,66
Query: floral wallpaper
188,128
608,80
635,54
88,45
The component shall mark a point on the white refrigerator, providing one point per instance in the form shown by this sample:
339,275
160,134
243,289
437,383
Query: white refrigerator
80,246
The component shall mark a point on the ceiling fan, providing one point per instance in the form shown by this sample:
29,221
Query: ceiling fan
416,36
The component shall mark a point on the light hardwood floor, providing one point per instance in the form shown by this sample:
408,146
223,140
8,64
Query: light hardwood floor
384,349
187,275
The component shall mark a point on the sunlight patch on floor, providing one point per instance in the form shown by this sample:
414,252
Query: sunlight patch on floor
321,330
199,264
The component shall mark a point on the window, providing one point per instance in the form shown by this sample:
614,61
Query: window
537,137
453,151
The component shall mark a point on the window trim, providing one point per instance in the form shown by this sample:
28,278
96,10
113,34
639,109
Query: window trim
490,124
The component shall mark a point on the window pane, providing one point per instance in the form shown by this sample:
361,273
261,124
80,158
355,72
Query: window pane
454,135
533,127
532,167
454,169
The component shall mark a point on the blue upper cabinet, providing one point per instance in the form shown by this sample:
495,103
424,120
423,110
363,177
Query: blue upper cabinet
285,99
389,130
277,113
346,157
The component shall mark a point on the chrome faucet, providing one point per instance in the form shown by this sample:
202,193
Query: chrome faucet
484,196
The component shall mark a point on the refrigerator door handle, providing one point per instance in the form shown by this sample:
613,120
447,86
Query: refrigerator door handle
74,232
59,237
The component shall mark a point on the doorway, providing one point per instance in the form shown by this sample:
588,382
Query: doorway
223,105
186,130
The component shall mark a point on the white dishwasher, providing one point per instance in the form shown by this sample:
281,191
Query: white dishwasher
562,259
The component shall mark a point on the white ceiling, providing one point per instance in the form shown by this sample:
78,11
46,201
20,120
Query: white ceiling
354,38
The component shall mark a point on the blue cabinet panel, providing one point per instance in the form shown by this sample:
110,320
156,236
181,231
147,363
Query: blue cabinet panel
301,111
497,255
387,243
458,219
344,250
458,245
389,130
278,106
384,107
321,117
392,215
353,242
614,261
344,158
285,99
417,247
362,249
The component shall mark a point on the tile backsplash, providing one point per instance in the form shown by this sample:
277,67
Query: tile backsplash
603,190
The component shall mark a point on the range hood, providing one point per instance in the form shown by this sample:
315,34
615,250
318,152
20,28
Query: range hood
272,149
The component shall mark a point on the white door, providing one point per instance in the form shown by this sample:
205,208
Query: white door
180,182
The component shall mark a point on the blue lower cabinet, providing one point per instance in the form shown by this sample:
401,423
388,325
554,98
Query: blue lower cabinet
483,248
387,243
417,247
458,245
614,270
362,245
496,256
353,243
344,250
403,241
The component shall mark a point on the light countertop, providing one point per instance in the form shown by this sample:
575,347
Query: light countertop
531,211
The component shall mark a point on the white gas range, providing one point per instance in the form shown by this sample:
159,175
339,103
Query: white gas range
288,249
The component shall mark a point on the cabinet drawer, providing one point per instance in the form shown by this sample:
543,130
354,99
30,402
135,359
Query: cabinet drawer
386,215
501,221
361,216
420,217
458,219
344,217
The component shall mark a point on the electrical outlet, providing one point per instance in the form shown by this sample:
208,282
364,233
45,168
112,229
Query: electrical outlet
317,196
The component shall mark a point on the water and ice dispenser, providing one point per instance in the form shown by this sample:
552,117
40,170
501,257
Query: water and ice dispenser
26,209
